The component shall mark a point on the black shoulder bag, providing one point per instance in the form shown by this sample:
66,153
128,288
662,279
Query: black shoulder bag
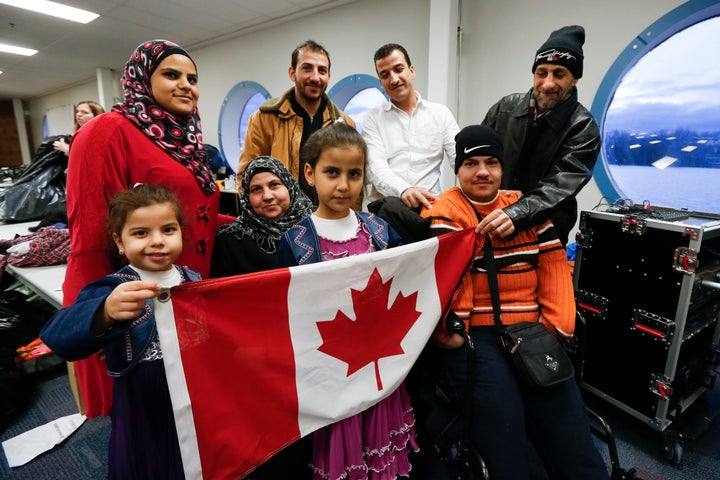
539,358
537,355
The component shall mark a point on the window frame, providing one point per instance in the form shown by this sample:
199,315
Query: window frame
345,90
237,98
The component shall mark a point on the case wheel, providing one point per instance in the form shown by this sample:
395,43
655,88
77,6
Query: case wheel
674,450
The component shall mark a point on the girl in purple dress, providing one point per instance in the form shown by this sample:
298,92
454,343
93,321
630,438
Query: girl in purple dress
372,444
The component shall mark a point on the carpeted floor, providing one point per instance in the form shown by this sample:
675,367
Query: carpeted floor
642,447
83,455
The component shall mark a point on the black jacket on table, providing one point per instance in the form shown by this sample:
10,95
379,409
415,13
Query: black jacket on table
549,161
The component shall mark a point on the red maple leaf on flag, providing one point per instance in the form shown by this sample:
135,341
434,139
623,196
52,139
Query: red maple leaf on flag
376,332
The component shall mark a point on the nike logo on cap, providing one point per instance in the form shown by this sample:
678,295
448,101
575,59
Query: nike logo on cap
468,150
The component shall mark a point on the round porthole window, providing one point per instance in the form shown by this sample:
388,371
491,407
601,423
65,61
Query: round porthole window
356,94
241,102
659,113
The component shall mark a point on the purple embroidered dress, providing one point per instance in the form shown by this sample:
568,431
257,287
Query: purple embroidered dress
372,444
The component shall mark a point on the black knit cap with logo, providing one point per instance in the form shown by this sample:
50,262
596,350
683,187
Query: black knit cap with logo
477,141
563,47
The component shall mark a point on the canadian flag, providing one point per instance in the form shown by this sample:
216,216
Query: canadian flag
254,362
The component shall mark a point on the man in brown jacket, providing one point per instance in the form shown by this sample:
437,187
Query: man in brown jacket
282,125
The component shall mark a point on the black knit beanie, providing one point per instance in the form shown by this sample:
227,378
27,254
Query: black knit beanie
477,141
563,47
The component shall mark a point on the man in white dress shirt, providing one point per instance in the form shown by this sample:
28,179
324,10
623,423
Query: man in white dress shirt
408,137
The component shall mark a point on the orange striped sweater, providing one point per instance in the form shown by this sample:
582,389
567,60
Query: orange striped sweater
533,274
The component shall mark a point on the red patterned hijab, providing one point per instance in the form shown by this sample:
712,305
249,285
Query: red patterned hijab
179,137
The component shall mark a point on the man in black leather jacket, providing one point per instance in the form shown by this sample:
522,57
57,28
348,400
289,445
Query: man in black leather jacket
551,141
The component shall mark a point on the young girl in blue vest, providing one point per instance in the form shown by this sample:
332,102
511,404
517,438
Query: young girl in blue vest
372,444
115,313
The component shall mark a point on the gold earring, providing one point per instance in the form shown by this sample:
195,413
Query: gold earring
121,251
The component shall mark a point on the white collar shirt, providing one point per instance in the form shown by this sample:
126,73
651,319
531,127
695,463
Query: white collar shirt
407,150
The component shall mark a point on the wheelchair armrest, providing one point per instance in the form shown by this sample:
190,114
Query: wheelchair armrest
454,324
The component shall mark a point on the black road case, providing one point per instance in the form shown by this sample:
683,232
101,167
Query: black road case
650,292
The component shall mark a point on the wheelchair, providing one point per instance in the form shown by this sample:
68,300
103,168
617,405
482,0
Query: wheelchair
460,452
451,442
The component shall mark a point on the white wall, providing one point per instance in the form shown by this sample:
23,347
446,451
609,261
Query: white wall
500,38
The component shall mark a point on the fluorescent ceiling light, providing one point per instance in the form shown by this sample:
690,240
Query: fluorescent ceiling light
28,52
55,9
664,162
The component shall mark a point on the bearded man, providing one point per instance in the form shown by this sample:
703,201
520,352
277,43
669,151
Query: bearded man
551,141
280,127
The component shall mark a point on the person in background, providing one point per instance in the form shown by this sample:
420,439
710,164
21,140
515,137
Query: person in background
408,137
84,111
115,313
535,285
282,125
374,443
153,136
551,140
271,201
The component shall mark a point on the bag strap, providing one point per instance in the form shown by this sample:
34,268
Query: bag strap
491,270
